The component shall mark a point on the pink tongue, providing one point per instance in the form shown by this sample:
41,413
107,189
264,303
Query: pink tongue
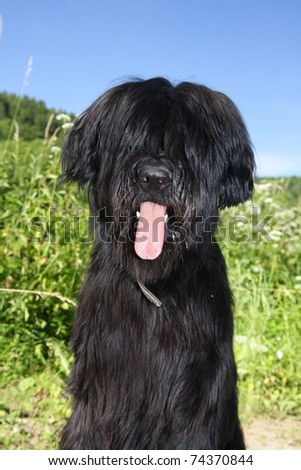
150,230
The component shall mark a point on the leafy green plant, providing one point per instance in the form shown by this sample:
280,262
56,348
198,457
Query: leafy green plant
39,269
265,273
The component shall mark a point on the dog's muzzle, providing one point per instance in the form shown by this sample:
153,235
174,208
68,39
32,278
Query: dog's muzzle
154,177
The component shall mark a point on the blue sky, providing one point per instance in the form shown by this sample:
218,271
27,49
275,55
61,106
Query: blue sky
249,49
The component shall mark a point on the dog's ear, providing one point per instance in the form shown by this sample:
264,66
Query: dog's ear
90,145
79,162
235,148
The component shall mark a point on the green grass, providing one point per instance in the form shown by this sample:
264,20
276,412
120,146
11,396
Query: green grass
265,277
44,254
32,411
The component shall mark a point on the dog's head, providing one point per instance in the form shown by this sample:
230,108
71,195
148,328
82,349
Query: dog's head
159,160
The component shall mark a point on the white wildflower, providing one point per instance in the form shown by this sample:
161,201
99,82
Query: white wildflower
67,125
275,235
257,269
261,187
63,117
279,355
55,149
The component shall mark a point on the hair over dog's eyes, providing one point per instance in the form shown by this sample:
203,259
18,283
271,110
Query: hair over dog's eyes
143,179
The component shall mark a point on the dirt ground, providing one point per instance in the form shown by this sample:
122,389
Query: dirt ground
264,434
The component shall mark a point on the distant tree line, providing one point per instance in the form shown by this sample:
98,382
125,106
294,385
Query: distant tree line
26,117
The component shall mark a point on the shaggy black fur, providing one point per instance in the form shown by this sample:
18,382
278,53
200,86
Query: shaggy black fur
158,376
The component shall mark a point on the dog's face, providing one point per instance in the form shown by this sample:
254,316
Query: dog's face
159,162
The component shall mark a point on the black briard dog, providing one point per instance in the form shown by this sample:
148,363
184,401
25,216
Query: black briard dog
152,340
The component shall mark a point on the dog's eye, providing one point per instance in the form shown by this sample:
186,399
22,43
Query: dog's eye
143,179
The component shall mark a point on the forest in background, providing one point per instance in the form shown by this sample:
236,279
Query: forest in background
26,122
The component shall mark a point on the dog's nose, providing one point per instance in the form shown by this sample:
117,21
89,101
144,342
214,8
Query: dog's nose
153,178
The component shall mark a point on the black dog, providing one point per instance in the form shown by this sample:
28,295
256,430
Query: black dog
154,365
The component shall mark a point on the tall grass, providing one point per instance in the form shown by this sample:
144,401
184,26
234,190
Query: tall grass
265,272
45,250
